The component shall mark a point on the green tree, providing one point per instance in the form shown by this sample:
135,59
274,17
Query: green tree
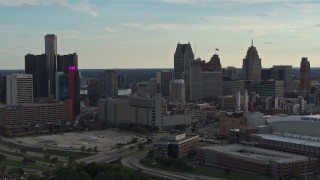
46,157
141,146
89,149
3,168
2,157
54,160
95,149
82,148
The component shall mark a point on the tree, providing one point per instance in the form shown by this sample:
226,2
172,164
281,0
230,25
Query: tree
46,157
227,170
141,146
95,149
3,168
2,157
54,160
24,151
20,171
82,148
89,149
28,160
150,154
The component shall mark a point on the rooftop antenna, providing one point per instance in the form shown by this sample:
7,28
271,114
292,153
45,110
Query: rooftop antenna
252,42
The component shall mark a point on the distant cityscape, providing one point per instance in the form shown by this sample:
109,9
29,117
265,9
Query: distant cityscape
253,121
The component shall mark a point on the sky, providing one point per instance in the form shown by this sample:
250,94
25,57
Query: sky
113,34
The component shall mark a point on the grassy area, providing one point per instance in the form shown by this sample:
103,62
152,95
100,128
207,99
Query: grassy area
18,164
36,158
201,171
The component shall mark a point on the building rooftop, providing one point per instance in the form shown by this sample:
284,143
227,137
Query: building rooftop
259,155
292,138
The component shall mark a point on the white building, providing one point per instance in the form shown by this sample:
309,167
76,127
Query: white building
19,89
177,91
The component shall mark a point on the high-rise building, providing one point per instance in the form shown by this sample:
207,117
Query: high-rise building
3,88
74,91
213,65
19,89
251,68
36,65
163,79
51,55
182,59
305,77
109,84
230,73
282,73
50,44
177,91
211,84
195,80
65,61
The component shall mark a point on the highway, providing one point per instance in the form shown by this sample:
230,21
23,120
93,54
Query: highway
133,162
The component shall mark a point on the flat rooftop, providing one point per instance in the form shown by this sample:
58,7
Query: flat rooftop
292,138
259,155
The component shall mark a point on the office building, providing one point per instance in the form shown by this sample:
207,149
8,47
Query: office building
211,84
265,74
256,160
19,89
65,61
231,87
176,146
230,73
93,91
109,84
213,65
51,58
251,68
195,80
177,91
3,88
270,88
146,112
163,79
150,87
282,73
74,91
36,65
182,59
305,75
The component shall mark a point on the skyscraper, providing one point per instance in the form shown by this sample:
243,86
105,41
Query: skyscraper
305,79
163,79
51,55
65,61
251,68
282,73
182,62
36,65
109,84
50,44
182,59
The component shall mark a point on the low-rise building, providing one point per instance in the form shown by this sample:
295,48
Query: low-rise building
175,146
256,160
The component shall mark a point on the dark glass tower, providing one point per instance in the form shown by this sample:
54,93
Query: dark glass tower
51,54
65,61
37,66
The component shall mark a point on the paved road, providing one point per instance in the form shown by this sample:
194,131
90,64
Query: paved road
133,162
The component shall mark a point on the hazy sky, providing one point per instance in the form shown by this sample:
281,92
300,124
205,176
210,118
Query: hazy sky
144,33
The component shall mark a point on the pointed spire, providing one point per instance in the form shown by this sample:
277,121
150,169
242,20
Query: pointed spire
251,42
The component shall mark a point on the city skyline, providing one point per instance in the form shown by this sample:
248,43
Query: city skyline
121,34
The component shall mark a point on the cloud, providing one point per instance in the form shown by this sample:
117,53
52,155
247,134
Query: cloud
9,29
167,26
183,1
111,29
82,6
